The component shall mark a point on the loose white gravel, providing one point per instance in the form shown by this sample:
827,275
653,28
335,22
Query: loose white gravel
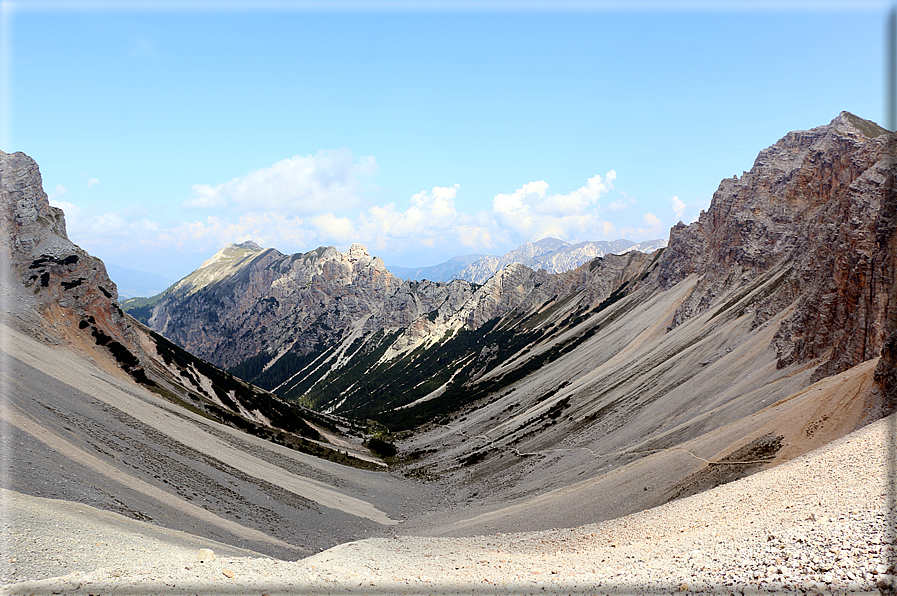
822,523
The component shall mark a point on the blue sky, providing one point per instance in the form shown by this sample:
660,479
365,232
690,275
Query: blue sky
422,130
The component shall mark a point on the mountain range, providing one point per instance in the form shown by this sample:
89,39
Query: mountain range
533,400
550,254
441,272
776,287
100,410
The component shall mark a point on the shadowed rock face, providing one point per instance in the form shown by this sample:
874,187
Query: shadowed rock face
886,244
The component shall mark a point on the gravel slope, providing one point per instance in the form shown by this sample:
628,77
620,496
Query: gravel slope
70,430
821,522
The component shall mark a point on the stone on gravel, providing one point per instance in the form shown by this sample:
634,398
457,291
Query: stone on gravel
205,555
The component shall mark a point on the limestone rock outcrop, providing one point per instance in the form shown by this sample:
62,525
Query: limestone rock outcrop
808,212
66,289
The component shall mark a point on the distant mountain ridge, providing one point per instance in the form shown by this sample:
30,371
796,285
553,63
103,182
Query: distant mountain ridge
552,255
549,254
132,283
444,271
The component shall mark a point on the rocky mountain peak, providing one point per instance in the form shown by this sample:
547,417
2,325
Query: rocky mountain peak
547,244
357,253
808,214
32,224
850,124
233,252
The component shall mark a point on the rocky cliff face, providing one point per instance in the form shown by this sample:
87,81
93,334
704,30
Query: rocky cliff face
886,249
66,290
808,213
55,291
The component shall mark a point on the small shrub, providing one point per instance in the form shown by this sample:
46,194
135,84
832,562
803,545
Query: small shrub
381,447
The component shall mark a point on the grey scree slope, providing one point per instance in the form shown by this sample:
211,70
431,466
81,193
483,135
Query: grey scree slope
81,434
819,523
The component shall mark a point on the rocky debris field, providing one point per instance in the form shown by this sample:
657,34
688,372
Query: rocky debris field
822,523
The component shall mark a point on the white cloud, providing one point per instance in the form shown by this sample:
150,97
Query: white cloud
624,202
304,202
128,232
515,210
265,228
58,192
654,229
531,213
92,182
474,237
300,185
69,208
678,208
430,220
338,230
109,231
653,221
578,201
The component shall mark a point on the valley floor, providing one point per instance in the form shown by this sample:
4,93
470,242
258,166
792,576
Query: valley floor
820,523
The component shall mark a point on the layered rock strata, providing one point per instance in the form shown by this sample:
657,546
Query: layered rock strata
57,275
809,211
